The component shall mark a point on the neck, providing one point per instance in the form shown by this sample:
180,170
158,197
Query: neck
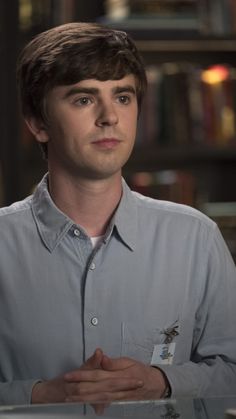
89,203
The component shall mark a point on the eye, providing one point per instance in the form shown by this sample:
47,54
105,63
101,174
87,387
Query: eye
82,101
124,99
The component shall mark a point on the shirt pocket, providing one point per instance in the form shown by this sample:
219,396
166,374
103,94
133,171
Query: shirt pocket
139,342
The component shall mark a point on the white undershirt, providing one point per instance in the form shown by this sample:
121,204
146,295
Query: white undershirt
96,240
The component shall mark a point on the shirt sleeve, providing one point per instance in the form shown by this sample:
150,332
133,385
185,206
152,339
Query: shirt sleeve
17,392
211,370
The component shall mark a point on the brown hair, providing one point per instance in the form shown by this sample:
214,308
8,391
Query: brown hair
73,52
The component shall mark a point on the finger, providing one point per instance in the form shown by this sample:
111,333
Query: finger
94,361
105,397
115,364
84,389
86,375
97,375
99,408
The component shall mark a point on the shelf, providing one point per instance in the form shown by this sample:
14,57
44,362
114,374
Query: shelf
196,50
151,158
213,168
186,45
151,40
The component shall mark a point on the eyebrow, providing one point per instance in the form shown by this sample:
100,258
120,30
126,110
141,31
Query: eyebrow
95,91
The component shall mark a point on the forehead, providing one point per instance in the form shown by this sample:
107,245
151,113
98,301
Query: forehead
126,80
126,83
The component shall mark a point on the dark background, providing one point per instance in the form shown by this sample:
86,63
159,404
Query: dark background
20,161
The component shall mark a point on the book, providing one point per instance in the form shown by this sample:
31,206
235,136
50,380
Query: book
162,7
217,17
170,185
188,105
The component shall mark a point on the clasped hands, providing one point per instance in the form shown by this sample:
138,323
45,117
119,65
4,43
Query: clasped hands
103,379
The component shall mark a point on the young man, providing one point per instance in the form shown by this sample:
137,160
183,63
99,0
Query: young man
105,294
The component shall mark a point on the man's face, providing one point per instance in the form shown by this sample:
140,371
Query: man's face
92,127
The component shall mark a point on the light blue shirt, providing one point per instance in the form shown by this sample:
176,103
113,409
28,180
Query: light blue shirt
159,265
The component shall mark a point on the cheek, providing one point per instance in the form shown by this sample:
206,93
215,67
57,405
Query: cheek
132,125
130,119
64,128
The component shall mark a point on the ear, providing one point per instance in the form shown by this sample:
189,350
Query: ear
38,129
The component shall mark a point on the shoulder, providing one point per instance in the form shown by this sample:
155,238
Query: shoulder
15,212
166,210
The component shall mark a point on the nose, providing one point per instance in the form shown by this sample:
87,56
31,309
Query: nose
107,115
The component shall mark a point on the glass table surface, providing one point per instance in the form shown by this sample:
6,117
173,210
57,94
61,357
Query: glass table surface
185,408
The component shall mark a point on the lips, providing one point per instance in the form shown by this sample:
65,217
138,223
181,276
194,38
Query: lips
106,142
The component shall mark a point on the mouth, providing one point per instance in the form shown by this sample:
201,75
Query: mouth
106,143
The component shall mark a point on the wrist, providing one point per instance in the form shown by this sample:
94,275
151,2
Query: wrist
167,388
36,394
167,392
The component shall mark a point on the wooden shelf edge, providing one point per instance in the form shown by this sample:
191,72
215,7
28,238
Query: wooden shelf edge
151,158
189,45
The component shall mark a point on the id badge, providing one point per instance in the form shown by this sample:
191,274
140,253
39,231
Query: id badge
163,354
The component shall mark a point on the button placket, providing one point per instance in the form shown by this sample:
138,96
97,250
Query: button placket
91,310
92,266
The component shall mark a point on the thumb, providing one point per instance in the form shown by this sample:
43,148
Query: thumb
94,362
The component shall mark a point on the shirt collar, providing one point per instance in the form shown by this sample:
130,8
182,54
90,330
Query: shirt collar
53,224
125,218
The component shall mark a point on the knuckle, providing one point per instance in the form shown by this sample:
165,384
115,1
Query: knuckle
105,397
80,390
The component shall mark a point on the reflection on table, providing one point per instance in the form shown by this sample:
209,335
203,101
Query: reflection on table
212,408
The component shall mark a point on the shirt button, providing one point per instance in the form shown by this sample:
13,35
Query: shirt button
94,321
92,266
76,232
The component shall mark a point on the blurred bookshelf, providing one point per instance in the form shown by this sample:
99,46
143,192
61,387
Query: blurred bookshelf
224,214
186,142
214,17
